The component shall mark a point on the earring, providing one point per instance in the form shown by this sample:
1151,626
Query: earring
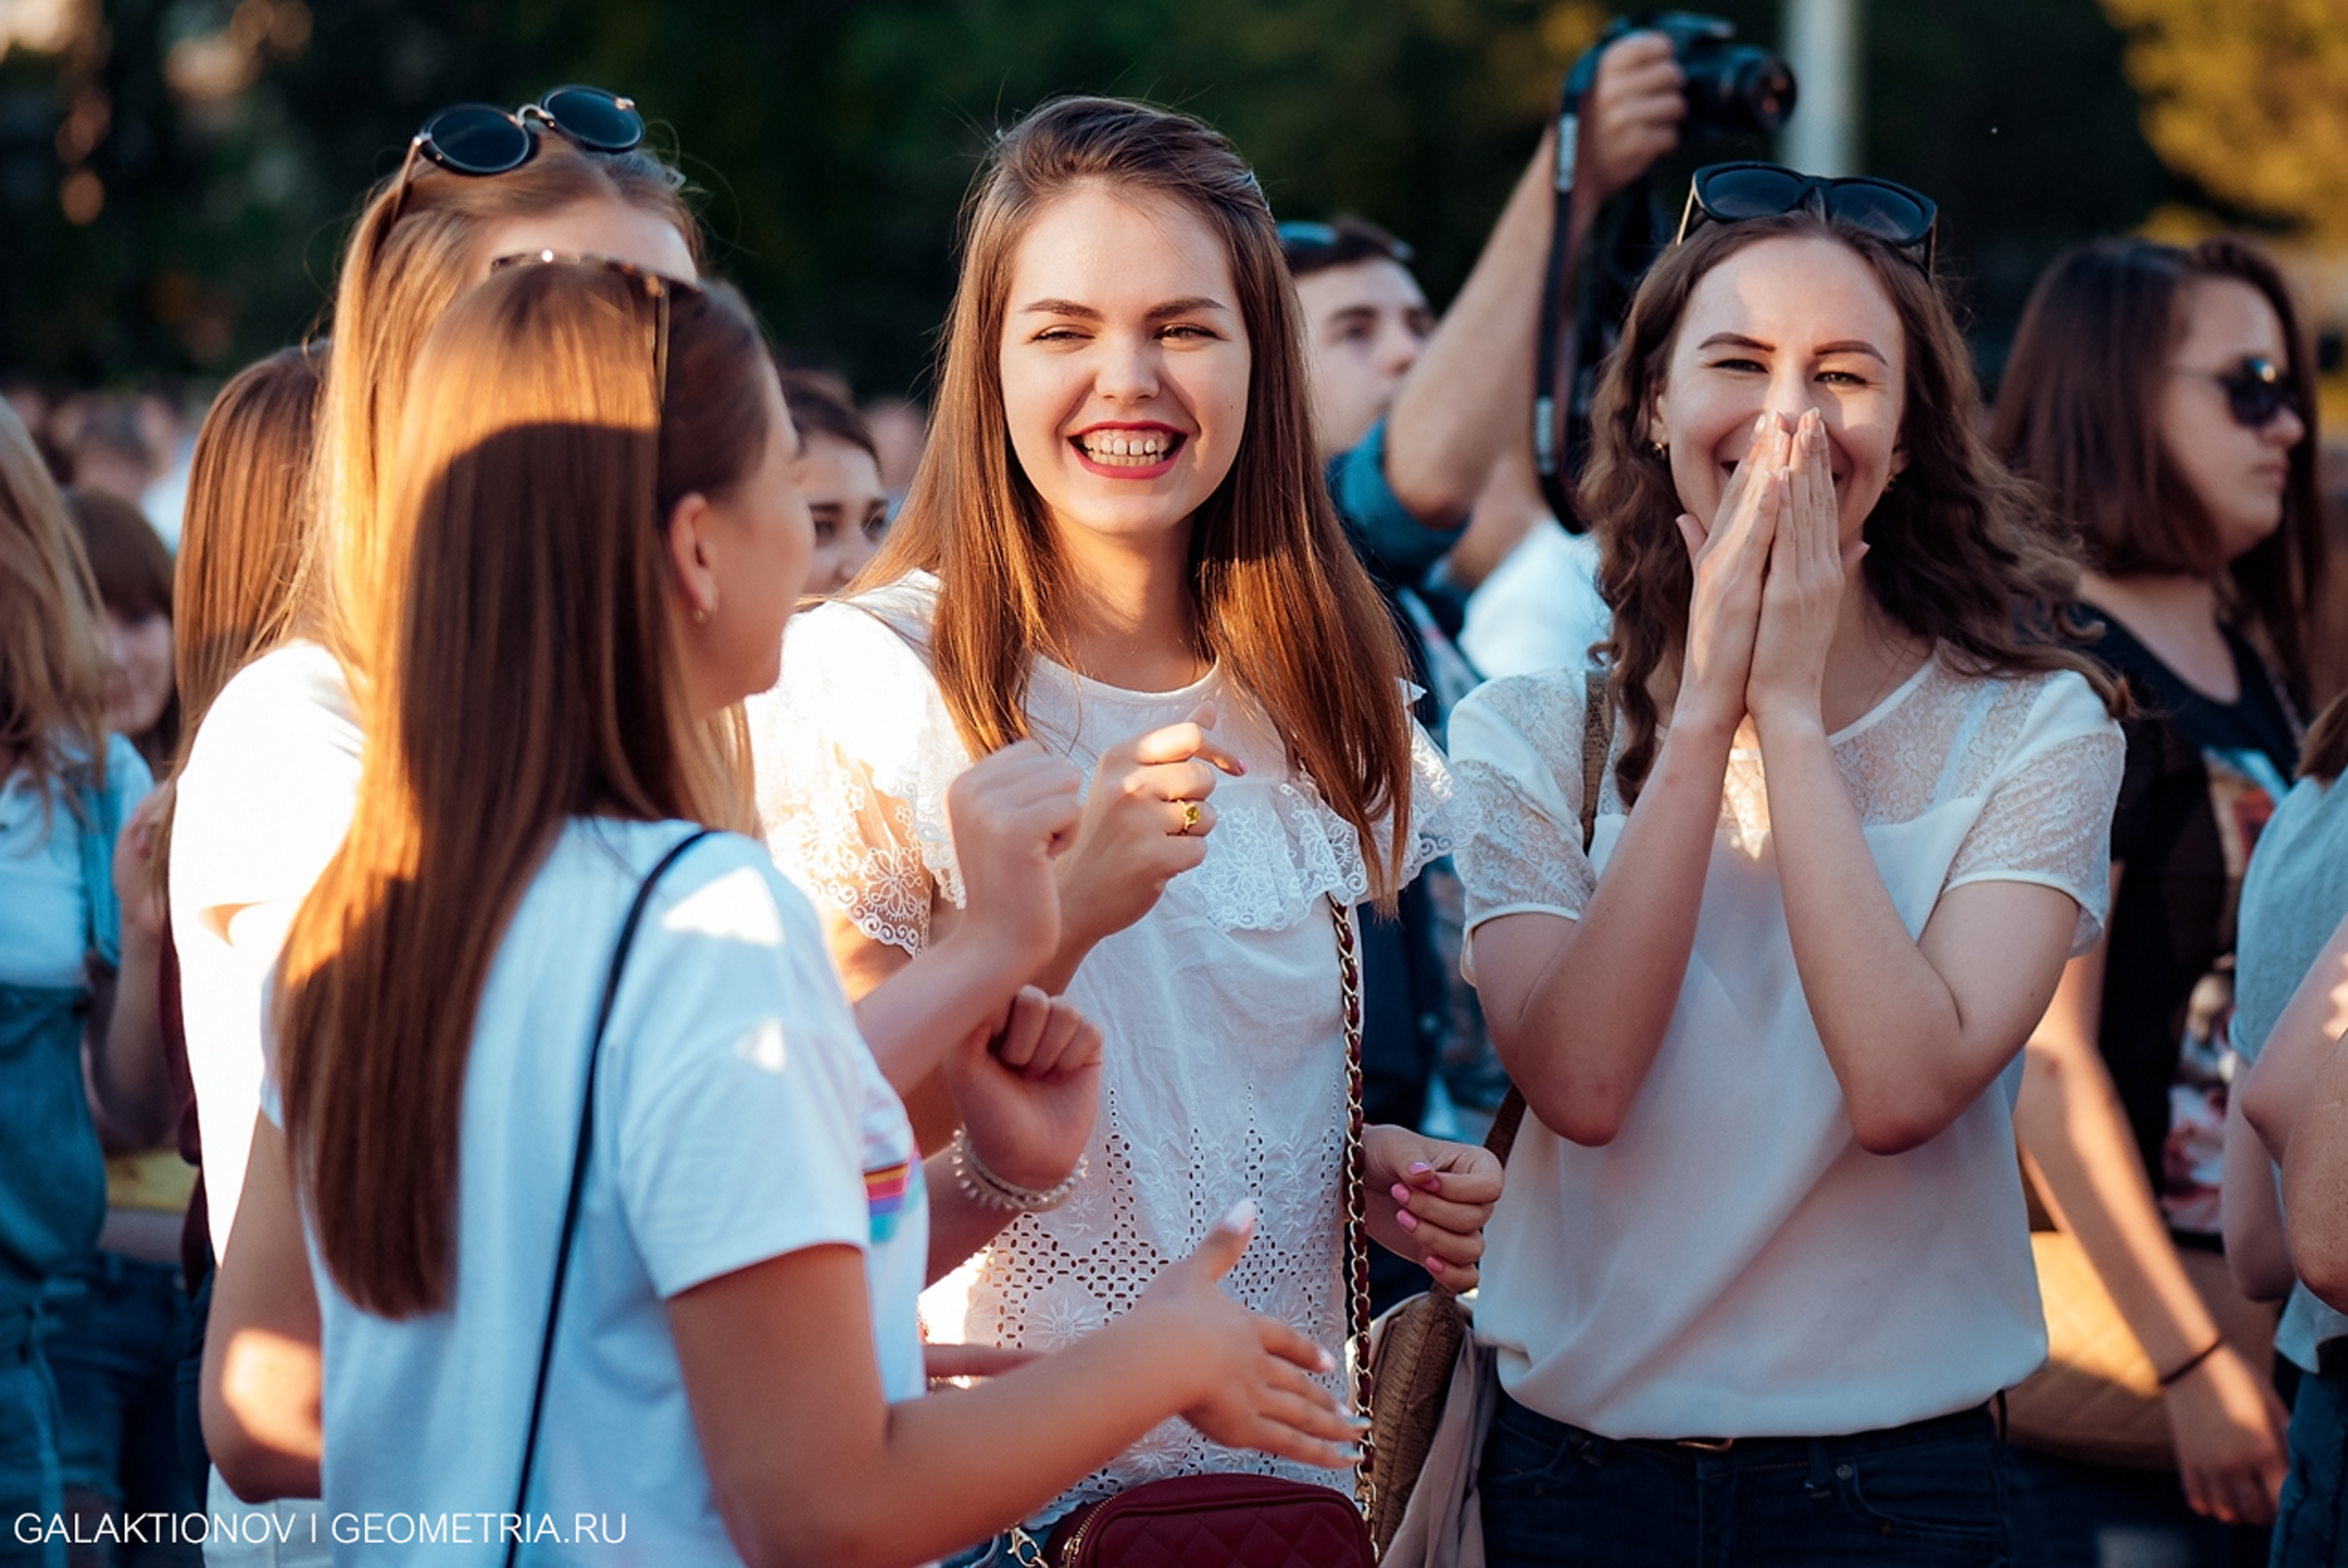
701,616
1662,451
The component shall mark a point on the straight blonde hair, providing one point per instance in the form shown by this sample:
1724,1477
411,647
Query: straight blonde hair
531,672
1281,601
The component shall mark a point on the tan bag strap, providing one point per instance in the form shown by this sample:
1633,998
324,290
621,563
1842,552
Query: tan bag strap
1597,741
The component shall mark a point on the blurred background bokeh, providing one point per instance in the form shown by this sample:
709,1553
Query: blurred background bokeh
176,175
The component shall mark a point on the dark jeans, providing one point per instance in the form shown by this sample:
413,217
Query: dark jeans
115,1351
2070,1515
2313,1529
1929,1494
32,1491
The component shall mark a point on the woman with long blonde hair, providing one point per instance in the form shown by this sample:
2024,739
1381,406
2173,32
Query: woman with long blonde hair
1118,548
592,562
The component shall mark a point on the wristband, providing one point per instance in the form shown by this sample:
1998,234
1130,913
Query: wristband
988,1191
2177,1375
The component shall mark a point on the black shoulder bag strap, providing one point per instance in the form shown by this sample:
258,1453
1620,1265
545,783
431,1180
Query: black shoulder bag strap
1598,740
578,1176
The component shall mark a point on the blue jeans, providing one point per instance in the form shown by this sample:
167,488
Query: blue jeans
114,1348
2312,1530
1932,1493
31,1482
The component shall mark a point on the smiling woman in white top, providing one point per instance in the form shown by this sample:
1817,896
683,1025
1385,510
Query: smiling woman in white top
1764,1257
1118,546
593,544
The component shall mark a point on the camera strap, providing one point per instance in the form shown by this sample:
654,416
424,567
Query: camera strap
1555,346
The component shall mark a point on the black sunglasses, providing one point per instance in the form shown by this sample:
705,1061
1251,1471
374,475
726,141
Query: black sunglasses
482,139
1305,242
656,286
1735,192
2257,390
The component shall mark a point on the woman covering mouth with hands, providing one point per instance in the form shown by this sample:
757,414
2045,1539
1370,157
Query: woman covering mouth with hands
1764,1259
1119,548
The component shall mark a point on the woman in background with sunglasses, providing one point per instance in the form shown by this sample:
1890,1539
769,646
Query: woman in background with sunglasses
1763,1263
2163,399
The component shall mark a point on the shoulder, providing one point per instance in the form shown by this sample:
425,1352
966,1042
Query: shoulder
128,779
1542,710
295,690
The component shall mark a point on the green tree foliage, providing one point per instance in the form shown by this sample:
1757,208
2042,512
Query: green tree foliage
835,138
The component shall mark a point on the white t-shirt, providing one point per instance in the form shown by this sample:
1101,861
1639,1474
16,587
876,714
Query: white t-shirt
263,805
739,1118
44,909
1734,1264
1223,1066
1541,608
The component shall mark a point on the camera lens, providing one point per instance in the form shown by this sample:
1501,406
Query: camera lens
1735,87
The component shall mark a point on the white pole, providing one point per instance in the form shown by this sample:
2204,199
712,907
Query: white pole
1822,45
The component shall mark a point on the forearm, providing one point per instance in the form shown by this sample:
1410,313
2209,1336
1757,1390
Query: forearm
2297,1047
959,1225
2250,1213
1888,1022
954,1452
1578,1024
1472,390
2077,1142
132,1083
2315,1183
949,989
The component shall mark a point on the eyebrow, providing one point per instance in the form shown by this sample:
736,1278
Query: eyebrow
1185,306
1843,345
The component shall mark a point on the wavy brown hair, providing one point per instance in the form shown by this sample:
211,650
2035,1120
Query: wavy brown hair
2078,414
53,661
1281,602
407,261
1961,553
531,672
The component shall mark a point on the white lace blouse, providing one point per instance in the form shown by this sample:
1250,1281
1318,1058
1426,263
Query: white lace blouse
1224,1074
1734,1264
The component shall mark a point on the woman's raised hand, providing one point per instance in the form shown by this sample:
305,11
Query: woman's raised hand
1731,561
1802,599
1254,1375
1146,822
1013,814
1029,1092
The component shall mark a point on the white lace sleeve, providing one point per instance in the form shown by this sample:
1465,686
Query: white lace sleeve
852,750
2049,817
1516,752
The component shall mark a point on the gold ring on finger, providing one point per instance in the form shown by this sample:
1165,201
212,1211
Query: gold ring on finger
1189,815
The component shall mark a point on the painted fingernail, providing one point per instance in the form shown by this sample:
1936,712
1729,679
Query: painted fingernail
1328,1362
1243,1215
1434,1264
1407,1219
1420,1167
1401,1193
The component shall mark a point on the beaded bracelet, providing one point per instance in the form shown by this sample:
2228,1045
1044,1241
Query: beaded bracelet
988,1191
2177,1373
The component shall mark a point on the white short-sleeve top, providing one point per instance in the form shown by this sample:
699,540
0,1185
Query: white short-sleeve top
1224,1075
1734,1264
738,1118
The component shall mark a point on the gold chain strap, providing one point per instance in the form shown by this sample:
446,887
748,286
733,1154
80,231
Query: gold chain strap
1356,1191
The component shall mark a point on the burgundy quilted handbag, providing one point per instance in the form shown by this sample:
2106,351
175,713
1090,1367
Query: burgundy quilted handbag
1214,1521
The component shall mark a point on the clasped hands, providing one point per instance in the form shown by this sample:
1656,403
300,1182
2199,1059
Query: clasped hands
1769,576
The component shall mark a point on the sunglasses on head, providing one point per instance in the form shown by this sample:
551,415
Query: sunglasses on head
2257,390
1305,242
1737,192
482,139
656,286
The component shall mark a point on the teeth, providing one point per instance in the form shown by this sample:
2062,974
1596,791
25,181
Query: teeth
1144,448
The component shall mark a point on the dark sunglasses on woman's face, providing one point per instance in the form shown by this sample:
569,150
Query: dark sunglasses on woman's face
2257,390
1737,193
482,139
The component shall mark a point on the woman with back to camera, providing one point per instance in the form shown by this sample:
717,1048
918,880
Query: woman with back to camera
67,788
1118,545
1763,1262
589,564
2163,400
839,473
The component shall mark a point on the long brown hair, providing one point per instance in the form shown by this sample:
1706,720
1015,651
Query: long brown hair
132,569
410,257
531,672
2324,755
1961,553
1281,601
2079,412
53,664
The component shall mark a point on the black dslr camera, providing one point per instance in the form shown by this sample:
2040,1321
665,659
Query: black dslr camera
1731,86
